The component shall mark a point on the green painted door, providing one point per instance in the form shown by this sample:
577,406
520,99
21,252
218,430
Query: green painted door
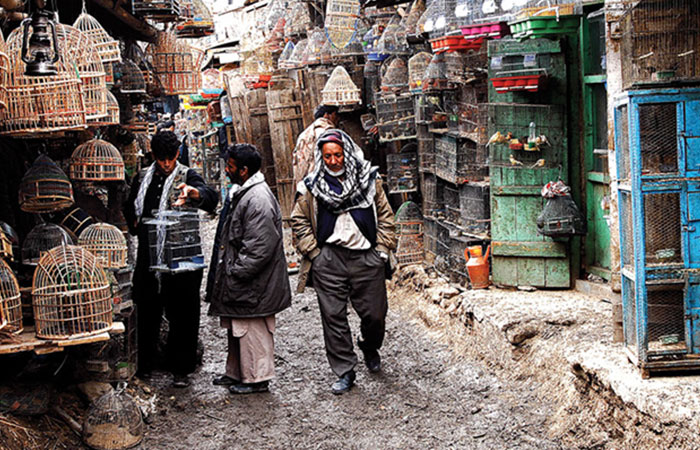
595,143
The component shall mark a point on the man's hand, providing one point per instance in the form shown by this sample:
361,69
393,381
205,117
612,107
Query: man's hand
187,193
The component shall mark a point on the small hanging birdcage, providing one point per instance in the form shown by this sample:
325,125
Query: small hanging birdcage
128,78
96,160
113,422
314,47
299,19
417,66
340,89
175,243
410,21
10,301
296,58
393,40
107,243
409,225
45,187
371,39
283,61
436,74
12,235
342,21
107,48
41,239
396,76
70,294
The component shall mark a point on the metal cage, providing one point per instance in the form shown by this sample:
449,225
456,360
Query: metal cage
409,226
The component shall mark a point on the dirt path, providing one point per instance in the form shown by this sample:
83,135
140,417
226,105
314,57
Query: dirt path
425,397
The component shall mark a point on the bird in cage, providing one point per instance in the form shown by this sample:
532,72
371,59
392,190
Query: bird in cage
499,138
514,161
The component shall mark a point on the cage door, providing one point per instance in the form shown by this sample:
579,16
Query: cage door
691,138
691,230
692,316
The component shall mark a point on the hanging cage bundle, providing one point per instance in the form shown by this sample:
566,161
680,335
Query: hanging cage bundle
340,89
107,243
45,187
342,21
96,160
41,239
106,47
70,295
10,301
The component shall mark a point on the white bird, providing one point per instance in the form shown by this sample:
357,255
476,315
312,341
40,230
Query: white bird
514,161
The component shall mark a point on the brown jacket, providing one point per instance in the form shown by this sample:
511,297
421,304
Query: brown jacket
304,229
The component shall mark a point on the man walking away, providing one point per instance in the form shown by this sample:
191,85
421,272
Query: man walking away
248,282
325,118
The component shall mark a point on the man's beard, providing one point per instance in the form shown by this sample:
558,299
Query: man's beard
235,178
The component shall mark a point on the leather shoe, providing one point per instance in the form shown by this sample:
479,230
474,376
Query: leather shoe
372,359
344,383
249,388
181,381
224,380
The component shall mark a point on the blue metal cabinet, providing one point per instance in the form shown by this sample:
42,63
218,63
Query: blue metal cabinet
657,141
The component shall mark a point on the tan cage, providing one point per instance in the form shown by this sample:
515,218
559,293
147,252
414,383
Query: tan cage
70,295
107,243
10,302
107,47
96,160
45,188
340,89
176,64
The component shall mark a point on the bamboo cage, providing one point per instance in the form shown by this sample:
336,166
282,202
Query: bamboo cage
107,47
45,188
10,300
37,105
409,227
41,239
109,74
340,89
6,251
4,76
176,64
136,55
74,221
112,117
396,76
70,294
107,243
342,21
96,160
195,20
128,78
299,19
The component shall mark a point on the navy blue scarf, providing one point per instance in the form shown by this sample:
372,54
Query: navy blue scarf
363,217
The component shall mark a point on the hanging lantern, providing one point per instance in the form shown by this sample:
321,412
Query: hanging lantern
38,53
45,188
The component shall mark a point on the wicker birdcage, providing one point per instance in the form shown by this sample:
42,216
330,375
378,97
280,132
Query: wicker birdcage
128,78
12,235
340,89
296,58
4,76
41,239
396,75
45,104
112,117
45,187
411,19
107,243
299,19
107,48
70,294
176,64
96,160
113,422
10,301
409,226
283,61
341,21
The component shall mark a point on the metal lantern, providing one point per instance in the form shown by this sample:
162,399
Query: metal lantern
107,243
10,301
70,295
96,160
45,188
41,239
40,52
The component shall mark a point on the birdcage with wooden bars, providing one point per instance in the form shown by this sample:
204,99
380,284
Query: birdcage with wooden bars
128,78
96,160
4,76
176,64
45,187
42,104
107,243
107,47
70,295
409,227
73,220
6,251
10,301
341,21
112,117
340,89
299,19
41,239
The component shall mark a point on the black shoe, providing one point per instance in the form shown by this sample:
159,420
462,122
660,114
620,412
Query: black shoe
181,381
224,380
344,383
372,359
249,388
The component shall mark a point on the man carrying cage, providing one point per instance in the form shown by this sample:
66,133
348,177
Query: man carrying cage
164,185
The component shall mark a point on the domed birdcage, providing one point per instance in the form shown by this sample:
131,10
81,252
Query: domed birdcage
396,76
276,10
176,64
409,225
107,243
393,40
342,21
70,294
283,61
4,77
196,20
296,58
340,89
73,220
96,160
417,66
314,47
410,21
112,116
10,301
45,187
436,74
298,20
41,239
128,78
113,422
107,47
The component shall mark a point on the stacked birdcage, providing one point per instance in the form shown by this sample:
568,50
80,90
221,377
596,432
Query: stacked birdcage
458,160
70,295
341,21
128,78
176,64
395,117
340,89
107,243
299,19
395,78
106,47
113,422
426,149
41,239
175,243
314,47
45,187
475,207
10,301
195,21
96,160
158,10
283,61
410,20
429,194
402,170
435,78
409,227
296,58
417,65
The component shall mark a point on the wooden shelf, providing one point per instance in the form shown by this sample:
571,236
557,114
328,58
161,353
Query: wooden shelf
28,341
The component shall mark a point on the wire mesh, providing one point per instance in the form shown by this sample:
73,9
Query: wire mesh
10,301
107,243
41,239
409,224
662,228
657,138
459,160
426,149
451,202
429,191
402,172
113,421
622,153
660,41
475,208
395,117
435,78
396,76
665,317
629,299
627,226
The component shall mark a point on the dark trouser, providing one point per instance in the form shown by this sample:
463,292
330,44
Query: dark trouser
180,298
340,275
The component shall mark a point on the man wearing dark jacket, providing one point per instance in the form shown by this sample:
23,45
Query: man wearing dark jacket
248,282
164,184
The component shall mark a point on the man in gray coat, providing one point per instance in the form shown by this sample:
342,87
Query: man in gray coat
248,282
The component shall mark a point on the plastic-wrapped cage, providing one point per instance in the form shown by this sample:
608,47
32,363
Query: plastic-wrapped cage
96,160
283,61
107,243
299,19
409,227
70,295
41,239
561,217
10,301
340,89
175,243
410,21
45,187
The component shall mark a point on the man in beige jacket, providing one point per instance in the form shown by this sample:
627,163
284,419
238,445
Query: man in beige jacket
344,228
325,118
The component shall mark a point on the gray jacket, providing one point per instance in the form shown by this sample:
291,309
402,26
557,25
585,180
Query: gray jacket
250,278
